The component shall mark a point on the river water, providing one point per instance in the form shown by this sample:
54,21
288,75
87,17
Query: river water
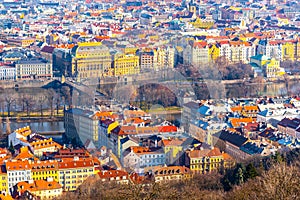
38,126
234,90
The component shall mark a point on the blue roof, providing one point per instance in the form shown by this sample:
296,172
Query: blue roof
123,140
251,148
263,113
147,16
284,141
203,124
257,57
263,42
203,110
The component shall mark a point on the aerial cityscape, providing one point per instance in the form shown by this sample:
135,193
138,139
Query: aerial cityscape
182,99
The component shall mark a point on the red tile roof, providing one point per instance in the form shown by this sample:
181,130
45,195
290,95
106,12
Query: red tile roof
67,163
107,174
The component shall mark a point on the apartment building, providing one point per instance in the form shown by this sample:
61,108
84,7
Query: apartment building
90,60
82,125
17,171
73,172
125,64
42,170
30,69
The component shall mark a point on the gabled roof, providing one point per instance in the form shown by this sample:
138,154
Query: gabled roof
67,163
107,174
203,110
17,165
251,148
172,142
48,49
192,105
233,138
25,153
171,170
205,153
38,185
167,129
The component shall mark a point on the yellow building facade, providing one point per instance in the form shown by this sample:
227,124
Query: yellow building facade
288,51
126,64
208,160
42,170
73,172
43,189
214,52
3,183
204,24
90,60
273,69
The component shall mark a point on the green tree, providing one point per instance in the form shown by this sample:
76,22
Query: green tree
11,148
278,158
251,171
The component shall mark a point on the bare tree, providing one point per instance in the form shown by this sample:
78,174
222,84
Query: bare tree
22,102
57,102
41,102
1,126
29,102
66,92
9,100
8,129
50,100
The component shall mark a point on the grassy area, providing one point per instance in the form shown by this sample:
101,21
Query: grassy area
46,113
161,109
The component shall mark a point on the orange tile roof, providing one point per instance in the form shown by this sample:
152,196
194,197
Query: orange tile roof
135,120
103,114
127,130
69,163
134,113
112,174
136,179
201,44
41,144
17,165
273,42
237,109
102,37
223,42
64,46
147,130
236,122
172,142
227,157
44,165
205,153
3,151
251,108
38,185
143,150
171,170
24,154
5,197
167,129
139,150
25,131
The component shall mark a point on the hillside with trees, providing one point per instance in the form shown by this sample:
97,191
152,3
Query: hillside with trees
275,177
